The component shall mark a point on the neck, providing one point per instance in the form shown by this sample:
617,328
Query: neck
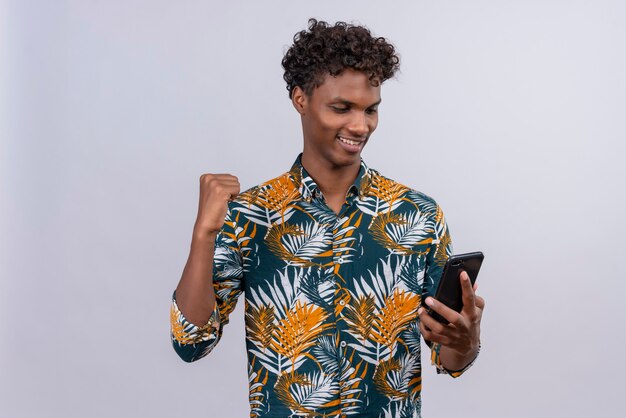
333,181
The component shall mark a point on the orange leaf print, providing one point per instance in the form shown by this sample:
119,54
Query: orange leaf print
399,310
385,189
360,315
379,233
277,194
381,382
260,324
441,255
297,332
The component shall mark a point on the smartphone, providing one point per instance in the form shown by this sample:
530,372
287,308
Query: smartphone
449,291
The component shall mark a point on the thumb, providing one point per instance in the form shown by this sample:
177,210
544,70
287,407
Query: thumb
469,298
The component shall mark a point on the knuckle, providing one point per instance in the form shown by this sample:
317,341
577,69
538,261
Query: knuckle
474,317
208,180
458,322
437,328
215,185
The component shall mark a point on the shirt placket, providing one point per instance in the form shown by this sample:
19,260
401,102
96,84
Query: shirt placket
332,263
341,268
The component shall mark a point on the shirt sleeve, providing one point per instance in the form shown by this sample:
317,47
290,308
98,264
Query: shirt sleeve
191,341
440,251
436,361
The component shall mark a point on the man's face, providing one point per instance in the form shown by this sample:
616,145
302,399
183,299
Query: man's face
337,119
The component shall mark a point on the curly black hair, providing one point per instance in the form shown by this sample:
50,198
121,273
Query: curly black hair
326,49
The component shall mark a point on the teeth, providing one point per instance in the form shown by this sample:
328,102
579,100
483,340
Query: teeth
349,142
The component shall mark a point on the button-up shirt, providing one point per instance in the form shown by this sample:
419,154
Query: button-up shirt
331,299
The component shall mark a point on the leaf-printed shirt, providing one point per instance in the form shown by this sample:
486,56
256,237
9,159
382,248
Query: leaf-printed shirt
330,300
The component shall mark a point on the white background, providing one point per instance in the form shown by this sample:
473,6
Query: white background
510,113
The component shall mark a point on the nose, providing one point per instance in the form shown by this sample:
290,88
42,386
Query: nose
359,125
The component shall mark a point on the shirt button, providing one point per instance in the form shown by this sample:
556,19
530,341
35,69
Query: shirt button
340,260
343,344
342,302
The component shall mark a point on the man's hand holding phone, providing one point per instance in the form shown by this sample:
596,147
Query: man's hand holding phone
462,334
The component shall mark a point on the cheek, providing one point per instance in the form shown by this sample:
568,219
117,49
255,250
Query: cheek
331,123
373,123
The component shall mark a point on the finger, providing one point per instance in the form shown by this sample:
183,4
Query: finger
219,179
231,184
233,190
427,334
447,313
469,298
431,336
440,338
421,312
225,176
226,190
229,181
226,185
425,331
426,319
226,193
480,303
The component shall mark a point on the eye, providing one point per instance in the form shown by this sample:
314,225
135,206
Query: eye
340,109
372,111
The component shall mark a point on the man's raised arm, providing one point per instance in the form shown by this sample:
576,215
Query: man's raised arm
194,295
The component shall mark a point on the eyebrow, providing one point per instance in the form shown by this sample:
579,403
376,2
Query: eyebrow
349,103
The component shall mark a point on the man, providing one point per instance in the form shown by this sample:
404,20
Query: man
334,259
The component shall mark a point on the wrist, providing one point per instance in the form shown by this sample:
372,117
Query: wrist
454,362
470,353
203,236
469,350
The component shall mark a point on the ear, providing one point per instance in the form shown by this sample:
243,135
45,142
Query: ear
299,100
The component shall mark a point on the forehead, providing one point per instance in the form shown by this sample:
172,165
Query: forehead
351,85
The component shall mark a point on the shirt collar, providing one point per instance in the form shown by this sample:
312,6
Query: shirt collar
309,189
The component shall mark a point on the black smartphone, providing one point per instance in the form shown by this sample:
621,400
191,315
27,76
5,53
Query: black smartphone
449,291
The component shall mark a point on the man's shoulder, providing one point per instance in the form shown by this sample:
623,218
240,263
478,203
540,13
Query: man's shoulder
383,186
280,187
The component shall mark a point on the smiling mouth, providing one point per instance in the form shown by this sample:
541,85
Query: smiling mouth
350,141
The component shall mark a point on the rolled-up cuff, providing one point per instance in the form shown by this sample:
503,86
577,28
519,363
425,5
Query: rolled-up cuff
436,361
184,332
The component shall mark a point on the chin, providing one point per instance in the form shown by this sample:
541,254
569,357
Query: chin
346,160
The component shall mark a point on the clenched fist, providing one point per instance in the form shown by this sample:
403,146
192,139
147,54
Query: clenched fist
215,192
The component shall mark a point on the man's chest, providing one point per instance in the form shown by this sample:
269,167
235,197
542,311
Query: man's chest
314,253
